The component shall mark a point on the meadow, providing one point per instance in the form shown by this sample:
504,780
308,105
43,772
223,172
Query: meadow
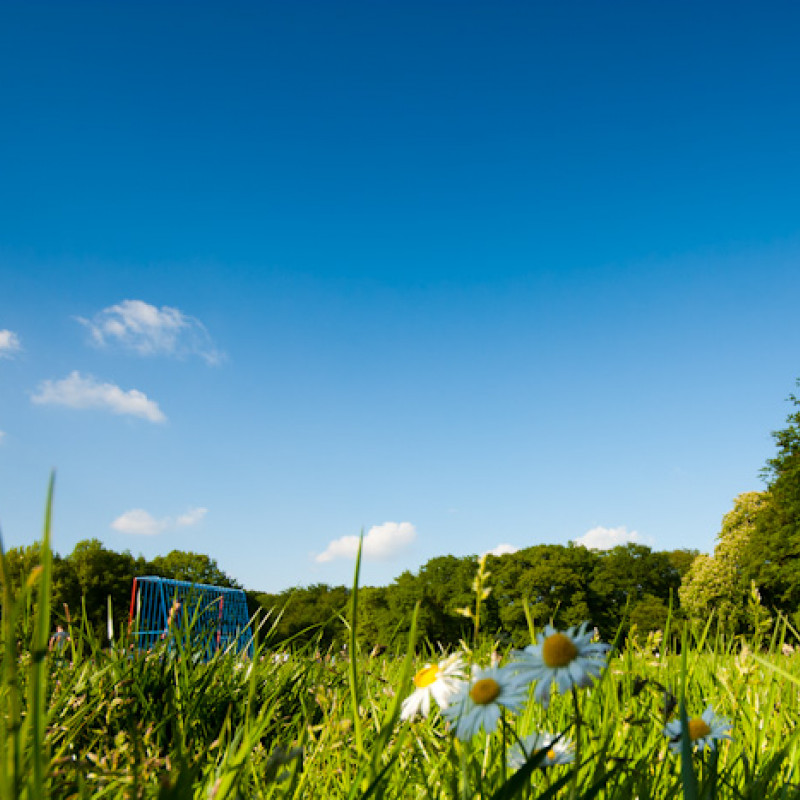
100,719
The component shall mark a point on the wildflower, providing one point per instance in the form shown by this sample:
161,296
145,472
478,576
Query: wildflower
440,681
478,701
558,752
566,659
704,731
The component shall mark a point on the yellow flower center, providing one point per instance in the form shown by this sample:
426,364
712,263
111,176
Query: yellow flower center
485,691
698,728
551,754
426,676
558,650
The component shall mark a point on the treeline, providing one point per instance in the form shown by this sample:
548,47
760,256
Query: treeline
92,573
629,584
566,584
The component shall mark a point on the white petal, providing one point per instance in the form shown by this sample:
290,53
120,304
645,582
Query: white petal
410,706
426,704
576,672
542,693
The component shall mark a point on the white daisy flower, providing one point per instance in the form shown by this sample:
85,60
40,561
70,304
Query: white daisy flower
439,681
559,752
567,659
704,731
477,703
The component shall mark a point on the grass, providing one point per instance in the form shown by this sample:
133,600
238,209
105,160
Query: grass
103,720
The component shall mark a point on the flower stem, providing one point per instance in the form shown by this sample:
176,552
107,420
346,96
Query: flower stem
503,743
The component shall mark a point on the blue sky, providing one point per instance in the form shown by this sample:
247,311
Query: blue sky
460,275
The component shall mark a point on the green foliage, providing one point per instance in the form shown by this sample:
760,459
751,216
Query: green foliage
306,614
720,583
772,557
649,614
565,584
92,573
682,559
554,580
442,587
182,565
631,576
102,573
562,584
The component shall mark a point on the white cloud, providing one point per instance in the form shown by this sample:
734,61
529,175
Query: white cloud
601,538
9,344
76,391
149,331
502,550
2,436
139,522
381,542
191,517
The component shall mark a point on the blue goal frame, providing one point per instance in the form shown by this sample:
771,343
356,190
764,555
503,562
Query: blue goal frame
218,616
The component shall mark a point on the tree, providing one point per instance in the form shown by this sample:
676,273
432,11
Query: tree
182,565
721,582
772,558
442,586
682,559
376,624
649,614
627,574
20,562
18,566
506,600
554,581
101,573
303,613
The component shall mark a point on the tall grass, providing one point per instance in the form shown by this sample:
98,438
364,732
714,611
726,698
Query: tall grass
102,719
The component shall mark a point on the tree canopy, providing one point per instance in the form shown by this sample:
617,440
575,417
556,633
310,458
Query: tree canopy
772,556
721,582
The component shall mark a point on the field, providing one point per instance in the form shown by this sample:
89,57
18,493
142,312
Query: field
91,719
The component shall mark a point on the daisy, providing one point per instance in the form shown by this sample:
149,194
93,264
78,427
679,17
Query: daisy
704,731
559,752
439,681
567,659
477,703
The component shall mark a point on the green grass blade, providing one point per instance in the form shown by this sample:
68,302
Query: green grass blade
394,712
352,669
38,676
688,777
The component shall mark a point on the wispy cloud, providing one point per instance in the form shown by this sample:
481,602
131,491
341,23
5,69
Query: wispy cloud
138,522
382,542
2,436
151,331
191,517
502,550
9,343
77,391
601,538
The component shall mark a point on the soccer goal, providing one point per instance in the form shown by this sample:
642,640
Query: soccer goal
216,617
